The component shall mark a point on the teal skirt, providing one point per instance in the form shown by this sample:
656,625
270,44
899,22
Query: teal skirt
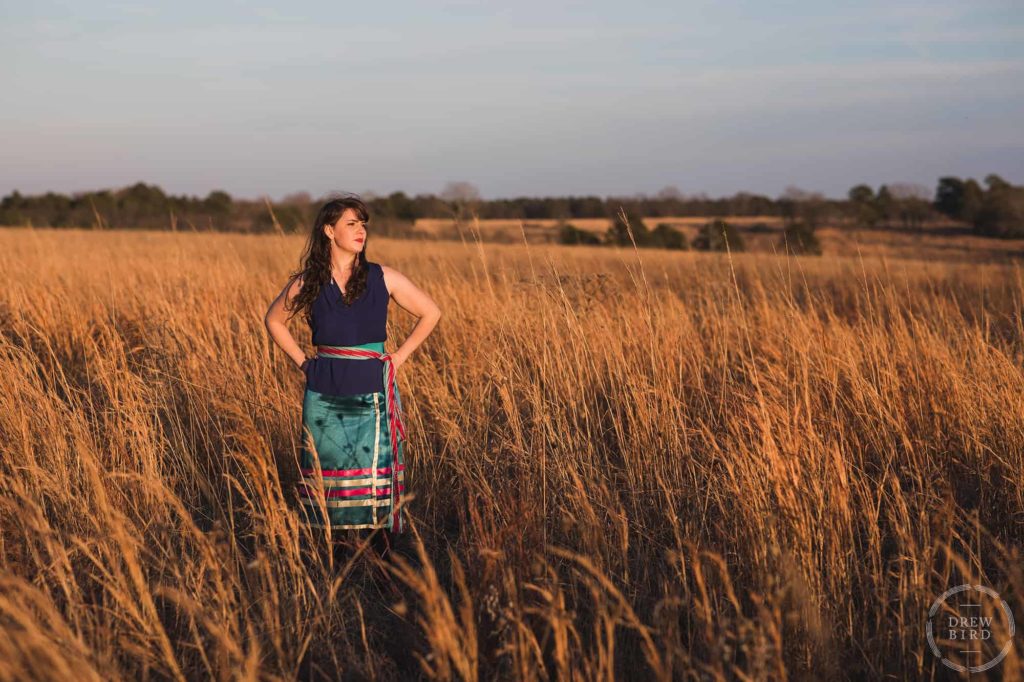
351,477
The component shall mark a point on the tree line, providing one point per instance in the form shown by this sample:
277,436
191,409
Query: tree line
995,209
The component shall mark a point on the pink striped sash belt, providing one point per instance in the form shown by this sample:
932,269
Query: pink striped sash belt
393,406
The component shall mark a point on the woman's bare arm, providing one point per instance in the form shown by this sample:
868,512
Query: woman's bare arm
276,321
413,299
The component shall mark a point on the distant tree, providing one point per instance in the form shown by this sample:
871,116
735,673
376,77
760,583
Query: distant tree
1001,211
997,211
98,208
787,209
559,208
463,202
994,182
570,234
623,222
885,205
814,210
861,194
14,209
292,217
58,208
142,195
800,238
669,192
960,199
862,203
668,237
464,197
404,208
431,206
974,196
218,202
911,204
747,204
537,209
716,236
798,204
949,197
587,207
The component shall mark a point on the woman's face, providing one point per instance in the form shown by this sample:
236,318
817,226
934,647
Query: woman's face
349,233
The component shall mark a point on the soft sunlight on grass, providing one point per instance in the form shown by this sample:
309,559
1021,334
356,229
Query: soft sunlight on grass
642,465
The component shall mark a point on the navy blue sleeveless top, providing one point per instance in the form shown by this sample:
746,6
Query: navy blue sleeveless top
336,324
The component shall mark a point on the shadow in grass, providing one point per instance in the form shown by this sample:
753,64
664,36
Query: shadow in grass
380,632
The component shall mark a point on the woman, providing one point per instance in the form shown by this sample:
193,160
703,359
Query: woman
352,459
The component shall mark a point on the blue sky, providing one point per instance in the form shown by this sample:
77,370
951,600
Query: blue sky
530,98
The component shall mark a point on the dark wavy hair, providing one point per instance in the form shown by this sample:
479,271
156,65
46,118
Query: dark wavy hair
315,262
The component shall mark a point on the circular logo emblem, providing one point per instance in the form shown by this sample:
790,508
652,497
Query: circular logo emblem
970,628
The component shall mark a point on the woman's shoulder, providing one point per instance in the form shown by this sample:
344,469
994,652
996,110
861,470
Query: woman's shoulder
294,286
383,270
386,274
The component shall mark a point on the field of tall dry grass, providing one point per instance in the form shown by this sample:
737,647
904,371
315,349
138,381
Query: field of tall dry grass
623,465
